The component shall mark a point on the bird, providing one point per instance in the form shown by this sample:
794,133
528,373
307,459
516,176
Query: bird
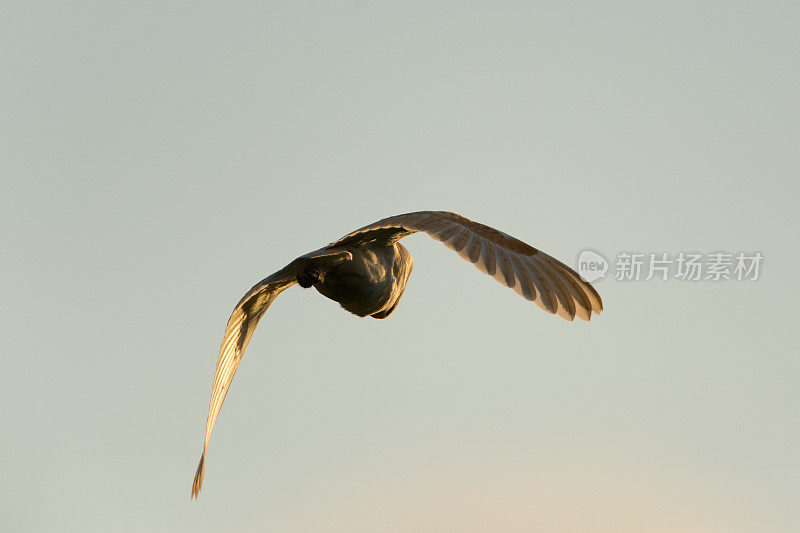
366,272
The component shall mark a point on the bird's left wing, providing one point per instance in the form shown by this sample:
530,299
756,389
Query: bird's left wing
533,274
241,325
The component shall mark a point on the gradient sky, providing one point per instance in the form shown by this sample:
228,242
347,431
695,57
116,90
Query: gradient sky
159,158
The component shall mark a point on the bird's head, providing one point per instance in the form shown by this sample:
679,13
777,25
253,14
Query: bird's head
308,277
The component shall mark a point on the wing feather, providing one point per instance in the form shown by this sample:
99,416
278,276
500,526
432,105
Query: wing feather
506,271
523,285
583,306
487,263
566,304
543,295
472,249
459,240
447,232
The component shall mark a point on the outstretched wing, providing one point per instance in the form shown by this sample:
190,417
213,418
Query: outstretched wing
241,325
533,274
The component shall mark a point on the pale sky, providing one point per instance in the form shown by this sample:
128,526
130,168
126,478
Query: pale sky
159,158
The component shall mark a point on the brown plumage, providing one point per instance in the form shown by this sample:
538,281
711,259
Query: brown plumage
366,271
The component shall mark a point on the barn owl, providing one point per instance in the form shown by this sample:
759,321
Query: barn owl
366,271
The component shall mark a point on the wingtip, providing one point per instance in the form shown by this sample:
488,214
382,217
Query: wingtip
198,477
589,313
566,313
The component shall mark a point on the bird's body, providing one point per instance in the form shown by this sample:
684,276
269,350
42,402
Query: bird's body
366,271
371,283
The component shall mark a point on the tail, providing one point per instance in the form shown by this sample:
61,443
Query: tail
198,476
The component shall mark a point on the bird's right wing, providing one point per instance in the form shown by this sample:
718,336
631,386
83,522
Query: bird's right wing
241,325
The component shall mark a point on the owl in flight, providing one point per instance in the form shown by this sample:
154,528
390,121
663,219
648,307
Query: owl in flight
366,271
